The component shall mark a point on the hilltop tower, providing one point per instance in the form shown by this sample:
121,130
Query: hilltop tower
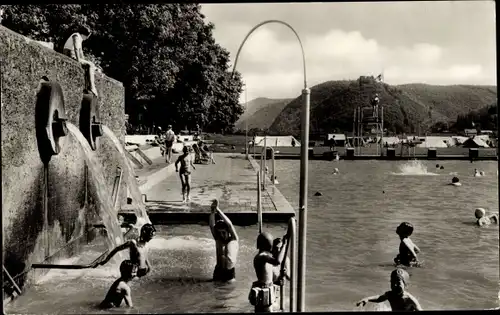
368,122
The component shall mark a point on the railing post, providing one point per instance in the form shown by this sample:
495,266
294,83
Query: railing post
265,157
273,164
259,203
293,264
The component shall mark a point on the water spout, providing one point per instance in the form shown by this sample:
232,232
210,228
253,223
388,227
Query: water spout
106,209
140,207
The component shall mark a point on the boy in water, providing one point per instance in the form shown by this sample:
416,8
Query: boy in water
120,289
482,219
138,250
263,292
407,250
226,244
398,297
185,172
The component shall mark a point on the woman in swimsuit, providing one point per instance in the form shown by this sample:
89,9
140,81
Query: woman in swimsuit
186,162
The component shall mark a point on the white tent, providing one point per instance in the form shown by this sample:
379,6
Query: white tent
436,142
276,141
390,140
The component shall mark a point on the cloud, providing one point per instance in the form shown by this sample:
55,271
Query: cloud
271,65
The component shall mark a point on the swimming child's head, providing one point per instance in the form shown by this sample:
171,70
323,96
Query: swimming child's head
455,180
222,231
128,270
400,279
265,242
437,165
479,213
405,229
147,232
185,150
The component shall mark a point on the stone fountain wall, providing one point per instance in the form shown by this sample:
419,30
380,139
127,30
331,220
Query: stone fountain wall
26,239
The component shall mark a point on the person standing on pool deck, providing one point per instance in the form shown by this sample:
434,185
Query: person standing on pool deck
263,293
120,289
169,142
398,297
226,244
186,162
138,250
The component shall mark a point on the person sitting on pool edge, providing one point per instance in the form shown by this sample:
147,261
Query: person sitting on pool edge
398,297
226,244
120,289
138,250
407,250
482,219
263,293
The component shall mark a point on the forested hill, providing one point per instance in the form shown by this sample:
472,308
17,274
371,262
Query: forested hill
405,106
261,113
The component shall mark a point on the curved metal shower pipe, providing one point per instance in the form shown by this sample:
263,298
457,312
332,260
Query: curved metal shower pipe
297,293
268,22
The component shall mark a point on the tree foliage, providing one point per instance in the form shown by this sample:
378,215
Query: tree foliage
166,56
485,118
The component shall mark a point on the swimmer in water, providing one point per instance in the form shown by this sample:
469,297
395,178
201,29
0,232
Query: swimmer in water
278,277
336,171
398,297
186,162
226,244
138,250
263,293
120,289
407,250
483,220
455,182
477,173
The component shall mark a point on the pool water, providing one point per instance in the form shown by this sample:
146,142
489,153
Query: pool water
350,247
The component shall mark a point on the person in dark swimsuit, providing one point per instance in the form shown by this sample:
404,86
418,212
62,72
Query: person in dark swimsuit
138,250
398,297
226,244
120,289
407,250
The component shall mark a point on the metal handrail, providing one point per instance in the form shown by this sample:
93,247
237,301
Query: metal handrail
14,284
259,203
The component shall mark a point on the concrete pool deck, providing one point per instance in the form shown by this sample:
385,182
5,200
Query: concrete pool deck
232,180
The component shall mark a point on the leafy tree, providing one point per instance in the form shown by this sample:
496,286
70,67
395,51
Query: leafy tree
164,54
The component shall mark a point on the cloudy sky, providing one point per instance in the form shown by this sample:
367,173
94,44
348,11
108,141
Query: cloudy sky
427,42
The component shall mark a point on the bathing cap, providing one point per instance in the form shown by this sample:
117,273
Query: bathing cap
148,230
404,229
455,180
127,267
479,213
265,241
400,274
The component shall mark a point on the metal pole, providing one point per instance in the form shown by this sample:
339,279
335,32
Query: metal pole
265,162
293,264
274,164
382,134
259,203
246,125
304,160
354,126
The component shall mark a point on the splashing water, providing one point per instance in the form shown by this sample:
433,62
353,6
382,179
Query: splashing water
105,207
140,207
414,167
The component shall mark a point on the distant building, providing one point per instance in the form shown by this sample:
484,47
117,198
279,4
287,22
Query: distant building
470,132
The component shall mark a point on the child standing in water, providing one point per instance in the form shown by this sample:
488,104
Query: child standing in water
186,162
138,250
398,297
407,250
120,289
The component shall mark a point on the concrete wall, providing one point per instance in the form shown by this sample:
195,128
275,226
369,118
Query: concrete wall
26,239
